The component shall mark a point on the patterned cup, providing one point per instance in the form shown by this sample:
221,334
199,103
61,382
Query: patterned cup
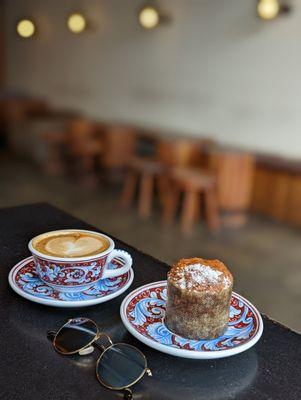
77,274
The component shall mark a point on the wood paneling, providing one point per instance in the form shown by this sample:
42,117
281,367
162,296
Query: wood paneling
277,194
270,192
293,214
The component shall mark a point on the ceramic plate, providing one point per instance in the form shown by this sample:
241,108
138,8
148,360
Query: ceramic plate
143,310
24,280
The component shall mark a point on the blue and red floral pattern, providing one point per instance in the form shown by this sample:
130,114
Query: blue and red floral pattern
146,310
28,280
75,274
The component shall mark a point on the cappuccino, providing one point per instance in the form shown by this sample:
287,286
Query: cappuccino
70,244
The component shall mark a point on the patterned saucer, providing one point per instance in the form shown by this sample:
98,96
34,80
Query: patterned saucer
24,280
143,310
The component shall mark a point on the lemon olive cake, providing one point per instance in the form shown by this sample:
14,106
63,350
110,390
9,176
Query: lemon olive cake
198,298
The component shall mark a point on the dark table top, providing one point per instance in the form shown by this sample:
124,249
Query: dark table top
31,369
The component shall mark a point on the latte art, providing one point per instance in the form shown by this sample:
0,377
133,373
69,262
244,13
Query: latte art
71,247
71,244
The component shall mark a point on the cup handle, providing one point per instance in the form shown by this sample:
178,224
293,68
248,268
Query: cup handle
123,255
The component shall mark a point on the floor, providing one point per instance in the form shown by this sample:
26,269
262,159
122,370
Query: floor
264,256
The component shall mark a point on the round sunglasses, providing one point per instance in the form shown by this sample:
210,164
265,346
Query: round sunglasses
119,365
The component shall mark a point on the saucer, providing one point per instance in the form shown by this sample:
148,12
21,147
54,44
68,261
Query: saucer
142,313
25,281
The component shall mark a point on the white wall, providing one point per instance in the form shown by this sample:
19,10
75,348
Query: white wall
216,69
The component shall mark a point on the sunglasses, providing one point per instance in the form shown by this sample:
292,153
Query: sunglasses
119,366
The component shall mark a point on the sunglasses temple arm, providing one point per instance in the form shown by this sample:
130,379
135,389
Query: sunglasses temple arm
51,335
127,394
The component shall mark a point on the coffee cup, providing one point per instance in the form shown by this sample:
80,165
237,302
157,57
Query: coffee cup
72,260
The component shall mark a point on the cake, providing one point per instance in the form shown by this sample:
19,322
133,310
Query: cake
198,298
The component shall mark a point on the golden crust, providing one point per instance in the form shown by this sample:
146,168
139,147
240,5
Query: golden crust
177,271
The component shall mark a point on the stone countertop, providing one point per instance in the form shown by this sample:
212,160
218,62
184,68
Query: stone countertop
31,369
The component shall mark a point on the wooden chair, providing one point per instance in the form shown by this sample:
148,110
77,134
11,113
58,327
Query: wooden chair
119,144
153,173
15,115
52,131
84,148
15,109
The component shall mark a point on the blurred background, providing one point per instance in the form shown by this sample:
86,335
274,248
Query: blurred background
173,125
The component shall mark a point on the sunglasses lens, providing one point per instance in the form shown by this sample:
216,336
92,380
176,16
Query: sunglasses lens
120,366
75,335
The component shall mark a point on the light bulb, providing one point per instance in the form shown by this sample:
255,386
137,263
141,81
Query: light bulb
76,23
149,17
268,9
25,28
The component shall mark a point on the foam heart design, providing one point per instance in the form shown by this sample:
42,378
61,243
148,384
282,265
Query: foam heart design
71,247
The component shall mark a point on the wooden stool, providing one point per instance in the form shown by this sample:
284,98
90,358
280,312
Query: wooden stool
150,174
193,184
142,173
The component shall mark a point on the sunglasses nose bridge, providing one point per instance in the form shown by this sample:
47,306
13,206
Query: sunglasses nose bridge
102,335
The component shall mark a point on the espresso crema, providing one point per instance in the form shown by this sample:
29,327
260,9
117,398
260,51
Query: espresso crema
70,244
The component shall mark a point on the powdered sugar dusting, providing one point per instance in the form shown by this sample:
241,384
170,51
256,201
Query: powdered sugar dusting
226,281
199,274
